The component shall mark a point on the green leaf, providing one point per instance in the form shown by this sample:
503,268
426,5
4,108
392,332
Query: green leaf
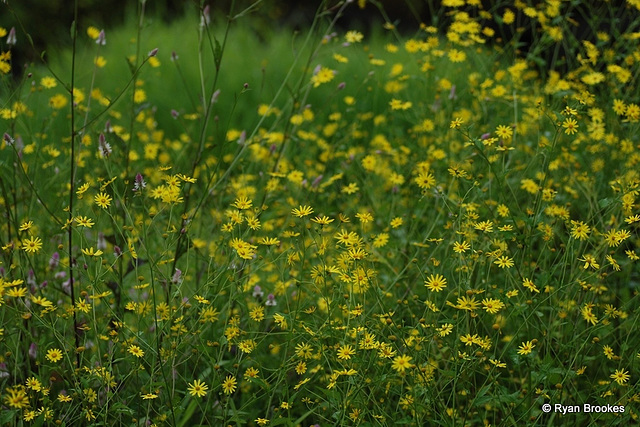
188,413
217,53
604,203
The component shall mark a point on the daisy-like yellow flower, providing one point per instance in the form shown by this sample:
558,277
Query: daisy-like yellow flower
136,351
32,244
620,376
589,261
608,351
54,355
48,82
64,398
322,220
302,211
84,221
324,75
242,203
526,348
461,247
402,363
229,384
570,126
425,180
26,226
492,305
504,132
455,124
103,200
436,282
82,189
353,37
396,222
92,252
198,388
16,397
528,283
504,262
467,303
34,384
345,352
497,363
93,32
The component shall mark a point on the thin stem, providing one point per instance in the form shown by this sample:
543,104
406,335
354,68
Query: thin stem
72,172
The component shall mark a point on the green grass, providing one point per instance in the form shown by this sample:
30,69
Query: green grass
429,243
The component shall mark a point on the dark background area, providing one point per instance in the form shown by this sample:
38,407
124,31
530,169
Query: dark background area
48,22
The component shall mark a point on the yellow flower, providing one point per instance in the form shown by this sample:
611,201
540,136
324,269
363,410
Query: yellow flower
579,230
570,126
528,283
93,32
100,62
242,203
401,363
425,180
302,211
461,247
92,252
436,283
64,398
34,384
455,124
84,221
58,101
504,132
620,376
198,388
139,96
353,37
229,384
26,226
492,305
345,352
16,397
322,220
457,55
324,75
54,355
32,244
504,262
48,82
136,351
103,200
526,348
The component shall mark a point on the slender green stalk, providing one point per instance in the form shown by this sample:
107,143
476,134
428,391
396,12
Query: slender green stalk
72,179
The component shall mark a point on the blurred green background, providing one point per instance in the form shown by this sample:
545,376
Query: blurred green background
48,22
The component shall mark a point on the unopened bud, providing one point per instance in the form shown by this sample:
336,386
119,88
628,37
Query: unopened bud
11,38
102,39
205,19
243,138
154,52
214,97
